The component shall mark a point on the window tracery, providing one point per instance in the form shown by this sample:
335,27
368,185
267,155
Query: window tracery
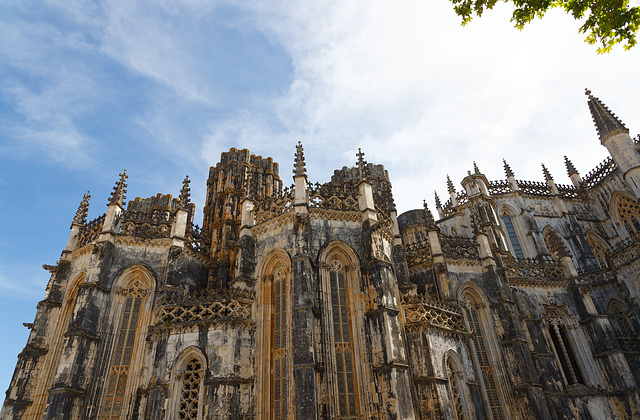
563,349
620,320
189,407
343,346
457,388
279,344
598,249
555,244
479,338
275,396
134,296
628,212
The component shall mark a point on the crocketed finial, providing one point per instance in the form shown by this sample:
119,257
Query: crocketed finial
362,165
475,168
185,192
438,204
570,168
299,167
450,186
428,215
120,190
547,175
507,168
606,122
81,215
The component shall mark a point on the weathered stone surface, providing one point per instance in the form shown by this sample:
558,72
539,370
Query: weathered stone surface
321,303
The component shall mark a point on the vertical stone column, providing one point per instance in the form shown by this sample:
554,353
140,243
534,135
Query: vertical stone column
305,351
305,342
71,391
389,354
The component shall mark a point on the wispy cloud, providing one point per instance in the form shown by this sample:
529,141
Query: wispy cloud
22,282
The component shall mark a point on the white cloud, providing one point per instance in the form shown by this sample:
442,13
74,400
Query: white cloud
425,96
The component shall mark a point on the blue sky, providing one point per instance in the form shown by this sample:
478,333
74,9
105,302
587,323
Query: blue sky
161,88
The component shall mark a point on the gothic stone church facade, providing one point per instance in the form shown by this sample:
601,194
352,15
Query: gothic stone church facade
318,301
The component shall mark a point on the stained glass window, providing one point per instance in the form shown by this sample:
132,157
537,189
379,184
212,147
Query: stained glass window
347,406
482,354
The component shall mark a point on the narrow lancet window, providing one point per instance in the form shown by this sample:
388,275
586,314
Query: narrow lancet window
132,298
347,406
279,345
482,355
513,238
563,350
456,384
119,371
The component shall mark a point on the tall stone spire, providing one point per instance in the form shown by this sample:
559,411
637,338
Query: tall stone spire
606,122
547,174
438,204
299,166
450,186
570,168
185,192
120,190
81,215
507,168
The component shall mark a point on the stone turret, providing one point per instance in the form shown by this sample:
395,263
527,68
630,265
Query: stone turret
614,135
237,176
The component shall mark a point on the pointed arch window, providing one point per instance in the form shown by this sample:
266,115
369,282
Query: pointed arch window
457,387
620,320
52,358
279,344
483,358
628,212
598,249
564,349
343,342
132,297
513,238
187,389
275,395
555,243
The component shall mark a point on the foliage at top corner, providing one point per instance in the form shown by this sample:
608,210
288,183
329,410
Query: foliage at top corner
608,22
